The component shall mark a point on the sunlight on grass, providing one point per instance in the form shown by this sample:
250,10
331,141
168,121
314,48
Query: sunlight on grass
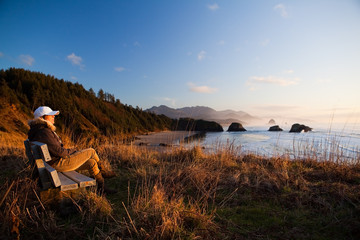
191,194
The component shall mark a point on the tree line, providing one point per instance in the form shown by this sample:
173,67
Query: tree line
84,111
81,109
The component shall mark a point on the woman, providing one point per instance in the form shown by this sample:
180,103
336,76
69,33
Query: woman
42,129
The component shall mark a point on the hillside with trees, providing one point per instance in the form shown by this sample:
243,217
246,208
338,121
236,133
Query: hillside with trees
189,124
83,111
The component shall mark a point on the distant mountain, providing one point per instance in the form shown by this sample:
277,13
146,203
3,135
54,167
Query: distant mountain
225,117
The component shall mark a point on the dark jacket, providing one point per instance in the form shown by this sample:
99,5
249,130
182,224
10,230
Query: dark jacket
44,131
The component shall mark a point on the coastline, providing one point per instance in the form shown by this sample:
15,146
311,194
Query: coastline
165,138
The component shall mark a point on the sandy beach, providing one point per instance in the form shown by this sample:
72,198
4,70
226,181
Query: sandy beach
167,138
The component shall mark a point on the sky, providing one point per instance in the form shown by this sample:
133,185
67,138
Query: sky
298,58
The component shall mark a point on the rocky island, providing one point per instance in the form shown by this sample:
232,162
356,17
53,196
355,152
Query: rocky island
299,128
236,127
275,128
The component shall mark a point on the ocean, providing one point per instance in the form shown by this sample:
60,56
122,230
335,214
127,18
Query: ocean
335,143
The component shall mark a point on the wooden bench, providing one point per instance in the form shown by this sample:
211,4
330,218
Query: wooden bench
38,155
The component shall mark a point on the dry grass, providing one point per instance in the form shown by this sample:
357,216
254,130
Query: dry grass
159,216
189,194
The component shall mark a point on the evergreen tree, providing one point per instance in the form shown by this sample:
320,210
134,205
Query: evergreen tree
101,95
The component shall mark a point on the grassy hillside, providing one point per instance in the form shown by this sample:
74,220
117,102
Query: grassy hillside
83,110
188,194
87,114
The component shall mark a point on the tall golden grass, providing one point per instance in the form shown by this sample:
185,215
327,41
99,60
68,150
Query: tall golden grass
189,194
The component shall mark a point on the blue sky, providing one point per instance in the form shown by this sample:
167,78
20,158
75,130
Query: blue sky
269,58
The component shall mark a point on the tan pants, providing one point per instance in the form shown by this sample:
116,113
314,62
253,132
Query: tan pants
86,159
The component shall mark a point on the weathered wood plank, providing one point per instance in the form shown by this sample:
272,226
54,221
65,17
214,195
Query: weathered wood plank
82,180
35,151
67,183
44,177
29,152
43,150
53,175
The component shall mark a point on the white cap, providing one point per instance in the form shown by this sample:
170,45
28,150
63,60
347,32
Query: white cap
44,110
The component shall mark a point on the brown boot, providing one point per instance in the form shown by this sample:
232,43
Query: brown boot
106,173
101,189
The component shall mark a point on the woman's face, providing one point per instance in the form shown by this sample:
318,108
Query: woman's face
50,118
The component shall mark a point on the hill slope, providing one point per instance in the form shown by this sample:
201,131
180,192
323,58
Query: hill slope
82,112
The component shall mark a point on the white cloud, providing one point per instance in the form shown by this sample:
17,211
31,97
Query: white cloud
201,89
282,9
1,54
73,78
119,69
221,42
271,80
75,60
213,7
201,55
27,59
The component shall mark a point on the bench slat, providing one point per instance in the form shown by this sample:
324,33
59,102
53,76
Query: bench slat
54,176
29,152
82,180
35,151
43,151
43,175
66,183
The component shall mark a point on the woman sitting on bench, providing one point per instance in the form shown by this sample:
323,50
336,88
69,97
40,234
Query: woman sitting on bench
42,129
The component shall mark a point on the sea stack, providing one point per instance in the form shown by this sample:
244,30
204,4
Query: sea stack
300,127
271,122
236,127
275,128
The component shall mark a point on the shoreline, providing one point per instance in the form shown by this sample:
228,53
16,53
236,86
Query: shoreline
165,138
